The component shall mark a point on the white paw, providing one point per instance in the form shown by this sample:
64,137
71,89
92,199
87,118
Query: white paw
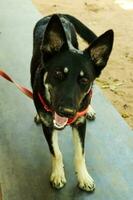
86,183
58,179
91,114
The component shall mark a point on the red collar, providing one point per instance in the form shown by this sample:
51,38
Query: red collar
70,120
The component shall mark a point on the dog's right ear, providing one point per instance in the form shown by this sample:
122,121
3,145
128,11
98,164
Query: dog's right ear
54,37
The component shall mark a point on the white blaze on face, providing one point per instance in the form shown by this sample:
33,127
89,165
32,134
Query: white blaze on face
60,122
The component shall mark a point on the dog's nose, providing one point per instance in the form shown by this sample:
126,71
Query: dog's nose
67,112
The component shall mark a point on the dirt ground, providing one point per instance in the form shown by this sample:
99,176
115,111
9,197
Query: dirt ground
116,80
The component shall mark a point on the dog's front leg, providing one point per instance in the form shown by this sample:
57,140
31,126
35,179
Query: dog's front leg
84,179
57,178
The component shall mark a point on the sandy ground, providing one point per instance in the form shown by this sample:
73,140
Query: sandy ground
116,80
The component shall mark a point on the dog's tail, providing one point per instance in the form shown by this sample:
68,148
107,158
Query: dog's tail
84,32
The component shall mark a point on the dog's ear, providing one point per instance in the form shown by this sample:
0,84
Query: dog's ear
100,50
54,37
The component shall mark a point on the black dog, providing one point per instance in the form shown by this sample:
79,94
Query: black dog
62,77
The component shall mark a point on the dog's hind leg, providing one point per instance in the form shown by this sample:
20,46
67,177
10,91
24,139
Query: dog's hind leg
91,114
37,119
57,177
85,182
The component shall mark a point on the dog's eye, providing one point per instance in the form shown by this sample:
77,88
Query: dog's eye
59,75
84,80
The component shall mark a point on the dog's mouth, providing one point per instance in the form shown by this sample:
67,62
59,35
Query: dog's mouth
59,122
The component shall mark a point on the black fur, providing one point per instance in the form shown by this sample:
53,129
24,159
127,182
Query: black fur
55,47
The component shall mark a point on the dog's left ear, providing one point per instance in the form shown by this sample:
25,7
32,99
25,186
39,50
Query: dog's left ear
54,37
100,50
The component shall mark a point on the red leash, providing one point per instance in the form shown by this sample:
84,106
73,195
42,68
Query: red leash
21,88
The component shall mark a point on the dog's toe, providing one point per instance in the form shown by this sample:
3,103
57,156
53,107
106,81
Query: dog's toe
91,114
58,181
87,186
86,183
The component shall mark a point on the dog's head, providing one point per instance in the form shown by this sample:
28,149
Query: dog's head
69,72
